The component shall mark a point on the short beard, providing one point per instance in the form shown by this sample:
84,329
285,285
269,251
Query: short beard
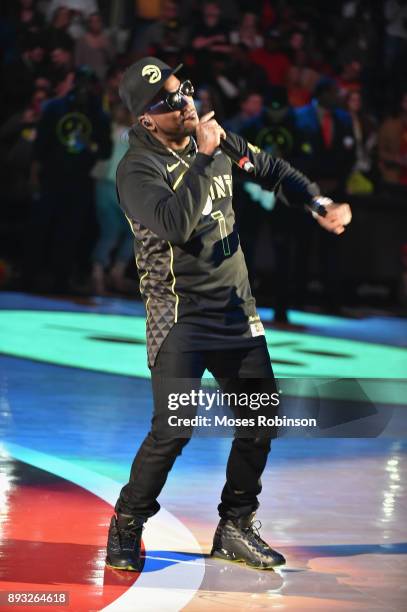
190,131
182,133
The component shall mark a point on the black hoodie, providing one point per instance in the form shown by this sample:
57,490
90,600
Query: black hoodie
192,269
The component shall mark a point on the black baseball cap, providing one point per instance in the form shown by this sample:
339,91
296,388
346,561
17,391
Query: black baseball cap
142,81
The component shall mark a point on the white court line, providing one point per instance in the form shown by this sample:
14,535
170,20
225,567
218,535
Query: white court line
166,590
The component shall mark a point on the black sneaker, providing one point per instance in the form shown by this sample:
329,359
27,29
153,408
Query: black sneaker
239,540
124,543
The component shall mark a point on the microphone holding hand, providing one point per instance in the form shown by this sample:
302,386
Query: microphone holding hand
211,135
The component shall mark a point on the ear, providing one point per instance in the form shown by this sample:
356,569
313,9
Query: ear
146,122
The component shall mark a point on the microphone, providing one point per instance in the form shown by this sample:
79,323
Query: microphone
241,160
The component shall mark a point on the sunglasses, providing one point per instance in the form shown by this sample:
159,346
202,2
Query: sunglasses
174,100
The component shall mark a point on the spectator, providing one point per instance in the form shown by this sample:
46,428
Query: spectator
79,11
272,58
61,65
301,76
230,9
356,32
365,133
87,7
28,19
251,106
114,231
19,76
350,77
392,146
395,49
72,135
268,14
326,148
57,35
64,85
296,41
60,46
248,33
301,79
274,131
209,32
34,54
111,88
148,10
17,137
247,76
209,37
164,37
207,100
325,151
221,76
95,48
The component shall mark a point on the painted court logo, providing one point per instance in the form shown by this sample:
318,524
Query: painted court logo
151,73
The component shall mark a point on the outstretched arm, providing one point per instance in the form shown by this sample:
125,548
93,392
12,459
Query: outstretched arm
276,174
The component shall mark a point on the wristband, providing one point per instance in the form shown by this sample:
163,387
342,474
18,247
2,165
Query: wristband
318,206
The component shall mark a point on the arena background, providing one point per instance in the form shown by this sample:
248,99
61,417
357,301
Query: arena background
75,398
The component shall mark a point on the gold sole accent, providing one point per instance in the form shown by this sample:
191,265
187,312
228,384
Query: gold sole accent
128,568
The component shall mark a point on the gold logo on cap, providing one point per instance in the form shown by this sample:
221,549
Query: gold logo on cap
152,73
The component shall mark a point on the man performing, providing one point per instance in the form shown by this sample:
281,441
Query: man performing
175,188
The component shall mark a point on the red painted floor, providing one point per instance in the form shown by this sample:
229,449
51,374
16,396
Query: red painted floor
53,536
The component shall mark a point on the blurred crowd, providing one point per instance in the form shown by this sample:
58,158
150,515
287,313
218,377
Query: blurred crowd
321,84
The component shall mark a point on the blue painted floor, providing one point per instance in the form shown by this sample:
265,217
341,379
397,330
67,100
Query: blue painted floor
337,508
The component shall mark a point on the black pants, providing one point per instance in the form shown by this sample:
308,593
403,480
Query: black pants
156,455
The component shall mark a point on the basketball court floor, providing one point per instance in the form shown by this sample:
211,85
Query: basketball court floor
75,403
